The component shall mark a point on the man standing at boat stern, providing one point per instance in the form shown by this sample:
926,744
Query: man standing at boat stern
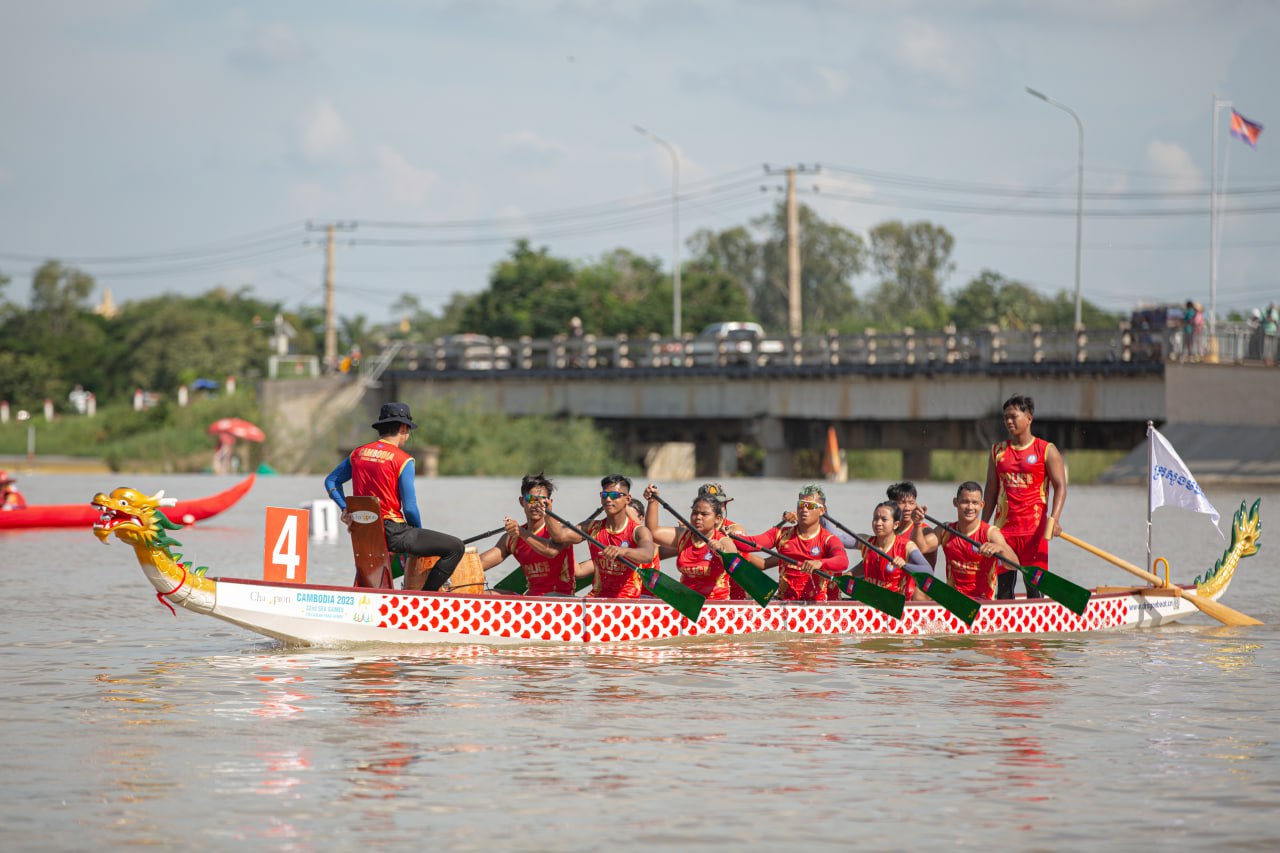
1020,473
384,470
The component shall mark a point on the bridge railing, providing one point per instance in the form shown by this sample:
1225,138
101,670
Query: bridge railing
948,346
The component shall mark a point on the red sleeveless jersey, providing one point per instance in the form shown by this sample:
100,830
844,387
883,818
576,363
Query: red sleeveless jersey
1023,487
796,585
883,573
615,579
375,470
544,574
967,570
700,566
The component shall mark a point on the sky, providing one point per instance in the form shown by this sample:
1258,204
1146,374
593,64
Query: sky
175,147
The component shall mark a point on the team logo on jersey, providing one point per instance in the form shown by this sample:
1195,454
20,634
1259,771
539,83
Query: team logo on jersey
815,551
625,543
1031,460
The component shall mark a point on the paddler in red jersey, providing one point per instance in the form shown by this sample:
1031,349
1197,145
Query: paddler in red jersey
384,470
970,569
1020,473
10,497
808,547
548,568
623,537
716,492
912,525
884,522
699,564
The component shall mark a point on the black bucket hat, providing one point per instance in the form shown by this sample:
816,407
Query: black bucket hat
394,413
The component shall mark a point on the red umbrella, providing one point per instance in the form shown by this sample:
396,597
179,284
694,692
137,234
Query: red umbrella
237,427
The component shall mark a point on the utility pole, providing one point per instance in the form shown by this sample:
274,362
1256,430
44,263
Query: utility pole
795,314
330,319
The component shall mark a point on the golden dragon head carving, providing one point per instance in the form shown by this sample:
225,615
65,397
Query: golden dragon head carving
134,518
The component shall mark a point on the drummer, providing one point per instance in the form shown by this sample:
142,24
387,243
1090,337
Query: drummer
548,568
10,497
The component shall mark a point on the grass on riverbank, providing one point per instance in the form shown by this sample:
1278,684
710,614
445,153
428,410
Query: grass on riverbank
956,466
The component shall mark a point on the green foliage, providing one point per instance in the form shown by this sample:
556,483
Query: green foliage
530,293
478,443
992,299
911,261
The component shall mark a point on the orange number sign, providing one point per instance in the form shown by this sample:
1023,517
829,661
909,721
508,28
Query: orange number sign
284,559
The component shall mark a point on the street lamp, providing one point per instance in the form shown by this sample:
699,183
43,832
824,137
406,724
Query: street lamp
675,225
1079,185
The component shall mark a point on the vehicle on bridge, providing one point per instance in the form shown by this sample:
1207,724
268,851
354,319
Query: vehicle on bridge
733,342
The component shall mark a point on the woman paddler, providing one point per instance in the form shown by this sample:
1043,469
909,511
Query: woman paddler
699,564
548,568
808,546
884,522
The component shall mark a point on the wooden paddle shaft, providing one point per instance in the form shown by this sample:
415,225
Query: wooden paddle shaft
1151,578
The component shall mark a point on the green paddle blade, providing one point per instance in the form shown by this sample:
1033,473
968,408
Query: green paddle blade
1071,596
687,602
956,602
753,581
886,601
515,582
397,567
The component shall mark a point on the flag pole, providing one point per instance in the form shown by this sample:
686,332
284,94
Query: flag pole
1151,466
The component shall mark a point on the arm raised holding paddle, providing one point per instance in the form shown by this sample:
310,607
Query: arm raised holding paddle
806,549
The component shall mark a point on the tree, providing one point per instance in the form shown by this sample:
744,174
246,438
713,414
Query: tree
991,299
57,293
530,293
830,257
911,262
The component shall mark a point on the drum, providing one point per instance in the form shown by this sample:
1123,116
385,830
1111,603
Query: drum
468,576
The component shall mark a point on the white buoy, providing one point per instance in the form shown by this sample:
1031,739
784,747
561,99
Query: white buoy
324,519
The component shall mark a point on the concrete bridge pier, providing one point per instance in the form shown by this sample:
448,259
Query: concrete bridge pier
779,458
917,463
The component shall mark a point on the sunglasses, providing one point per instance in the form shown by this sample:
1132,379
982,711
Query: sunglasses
808,505
613,496
534,500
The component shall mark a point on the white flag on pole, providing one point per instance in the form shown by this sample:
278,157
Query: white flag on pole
1172,483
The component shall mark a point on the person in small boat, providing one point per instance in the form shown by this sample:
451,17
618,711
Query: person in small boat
884,522
808,545
10,497
384,470
623,536
699,564
1021,472
548,568
972,570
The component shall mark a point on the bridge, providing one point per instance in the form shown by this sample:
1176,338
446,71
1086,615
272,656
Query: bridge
911,392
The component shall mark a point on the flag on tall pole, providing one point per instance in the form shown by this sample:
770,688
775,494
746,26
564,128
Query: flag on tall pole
1171,482
1245,130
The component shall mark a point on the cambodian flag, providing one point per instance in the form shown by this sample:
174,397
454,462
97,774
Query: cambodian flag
1241,127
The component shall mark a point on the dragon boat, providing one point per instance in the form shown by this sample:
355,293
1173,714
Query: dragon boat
83,515
321,615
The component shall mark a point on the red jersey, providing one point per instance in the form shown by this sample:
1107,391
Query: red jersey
615,579
736,593
545,574
1022,486
967,570
700,566
883,573
375,470
796,585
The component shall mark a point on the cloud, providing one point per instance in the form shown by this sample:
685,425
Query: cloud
527,146
793,84
323,133
312,198
267,48
1173,165
398,178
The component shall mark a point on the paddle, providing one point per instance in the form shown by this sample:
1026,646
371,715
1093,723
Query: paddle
1071,596
953,600
885,600
518,584
686,601
753,581
1221,612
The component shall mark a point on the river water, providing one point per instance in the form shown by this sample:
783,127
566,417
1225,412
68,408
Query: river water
125,726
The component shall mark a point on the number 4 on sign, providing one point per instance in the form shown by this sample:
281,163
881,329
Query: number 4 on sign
284,559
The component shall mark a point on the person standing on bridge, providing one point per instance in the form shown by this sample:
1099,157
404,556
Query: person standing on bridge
1020,473
384,470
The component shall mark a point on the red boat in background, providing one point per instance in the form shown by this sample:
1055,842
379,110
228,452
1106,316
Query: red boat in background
85,515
